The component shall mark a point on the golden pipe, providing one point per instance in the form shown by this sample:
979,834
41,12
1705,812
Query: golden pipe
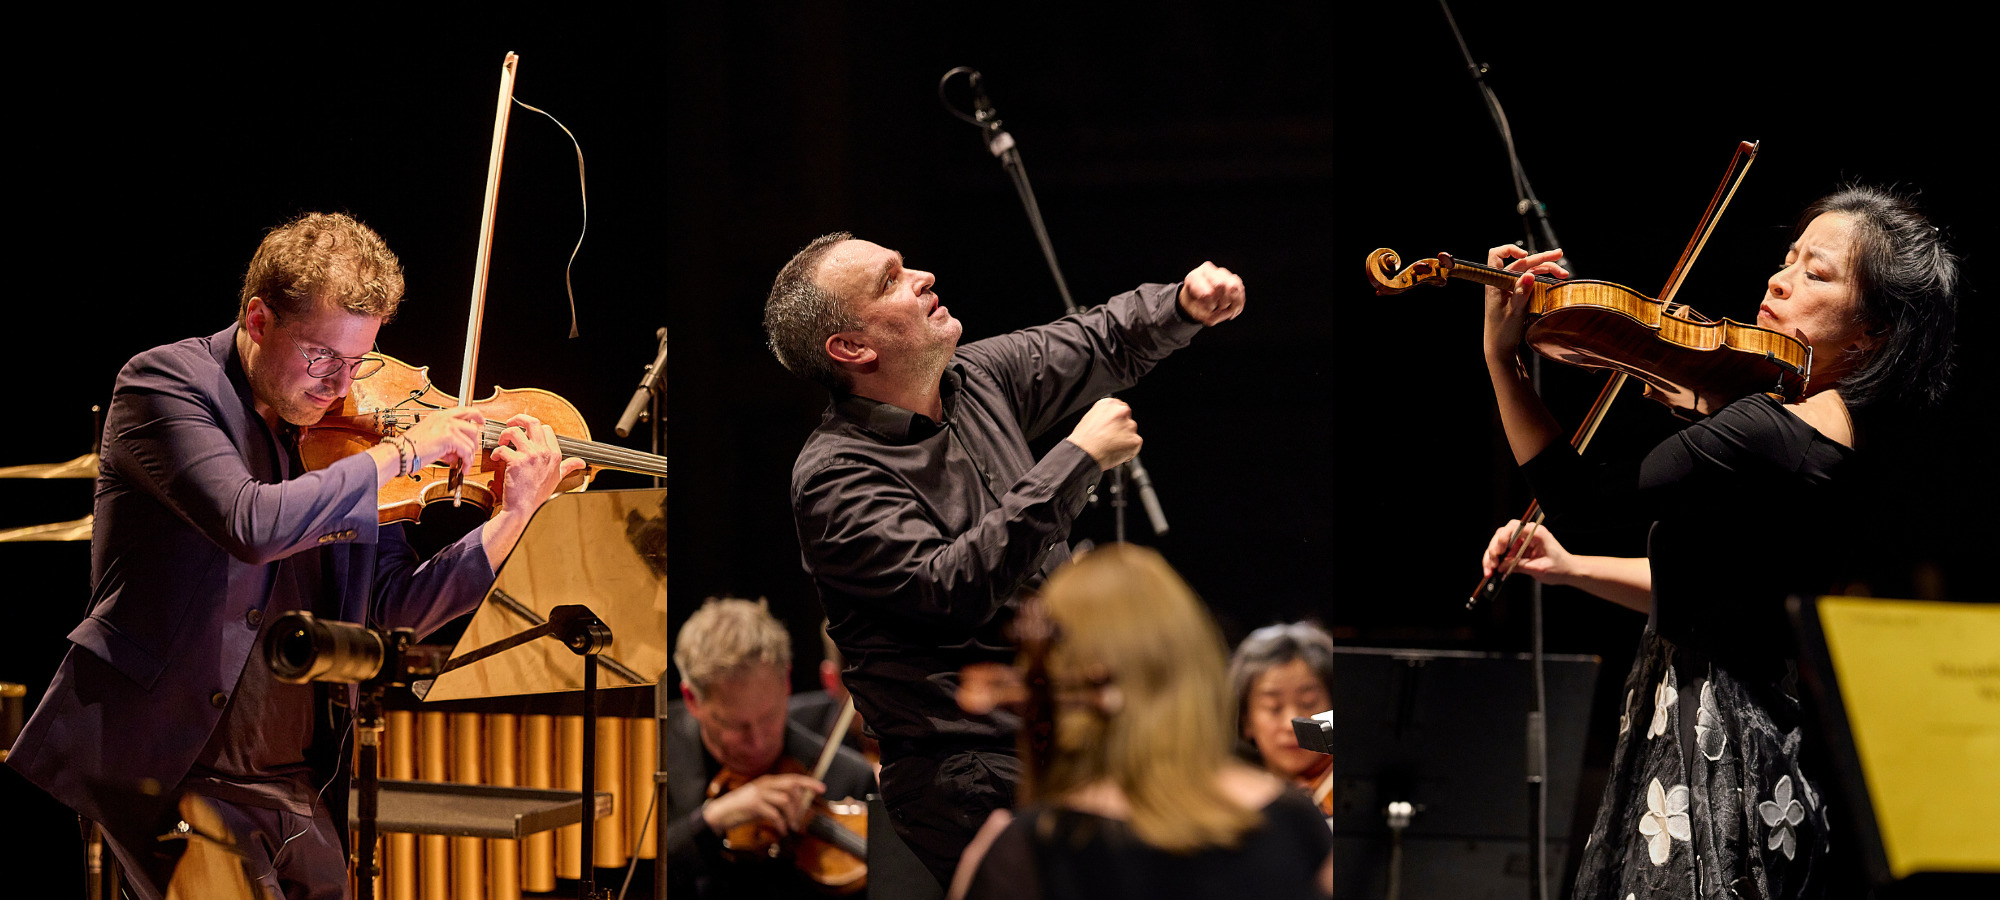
641,753
399,856
610,841
569,757
538,850
468,854
434,868
503,857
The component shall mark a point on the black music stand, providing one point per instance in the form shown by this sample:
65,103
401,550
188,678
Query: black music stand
1441,731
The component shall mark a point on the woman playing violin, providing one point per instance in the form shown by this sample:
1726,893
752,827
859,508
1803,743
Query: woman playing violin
1279,673
1745,508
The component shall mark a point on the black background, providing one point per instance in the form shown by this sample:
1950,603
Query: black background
1331,454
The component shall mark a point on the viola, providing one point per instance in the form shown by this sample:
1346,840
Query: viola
400,395
830,851
1687,361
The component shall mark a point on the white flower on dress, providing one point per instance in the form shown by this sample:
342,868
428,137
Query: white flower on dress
1708,725
1664,699
1666,820
1625,718
1783,816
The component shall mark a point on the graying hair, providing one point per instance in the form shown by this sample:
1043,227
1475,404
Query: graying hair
800,315
1275,645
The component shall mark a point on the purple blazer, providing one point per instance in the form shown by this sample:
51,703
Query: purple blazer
183,537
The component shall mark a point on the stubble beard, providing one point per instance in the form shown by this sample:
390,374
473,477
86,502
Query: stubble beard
291,406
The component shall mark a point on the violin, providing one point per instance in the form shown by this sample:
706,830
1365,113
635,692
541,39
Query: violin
1321,789
400,395
831,851
1687,361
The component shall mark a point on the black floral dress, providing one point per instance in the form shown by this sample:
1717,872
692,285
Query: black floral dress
1714,789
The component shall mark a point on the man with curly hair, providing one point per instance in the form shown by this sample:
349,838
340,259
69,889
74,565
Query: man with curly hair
208,529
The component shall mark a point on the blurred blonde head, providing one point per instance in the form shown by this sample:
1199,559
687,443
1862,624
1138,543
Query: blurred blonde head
1142,698
725,637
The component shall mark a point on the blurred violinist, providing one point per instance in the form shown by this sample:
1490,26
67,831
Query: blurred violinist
207,528
1279,673
730,738
1711,793
1141,796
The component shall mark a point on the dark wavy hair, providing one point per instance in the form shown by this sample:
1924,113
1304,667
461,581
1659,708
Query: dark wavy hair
1909,296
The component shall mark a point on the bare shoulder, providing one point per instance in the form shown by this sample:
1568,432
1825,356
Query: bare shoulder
1827,413
1248,787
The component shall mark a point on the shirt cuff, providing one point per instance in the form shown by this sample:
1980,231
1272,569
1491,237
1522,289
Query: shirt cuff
1172,320
1078,473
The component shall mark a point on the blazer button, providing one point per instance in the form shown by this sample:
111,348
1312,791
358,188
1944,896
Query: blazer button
218,699
254,617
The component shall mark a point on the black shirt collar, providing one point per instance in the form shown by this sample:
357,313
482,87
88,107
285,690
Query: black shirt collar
895,423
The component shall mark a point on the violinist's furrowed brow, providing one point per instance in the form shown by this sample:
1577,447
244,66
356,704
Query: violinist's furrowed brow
1825,257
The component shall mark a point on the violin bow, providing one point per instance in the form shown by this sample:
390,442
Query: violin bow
832,745
1732,178
481,266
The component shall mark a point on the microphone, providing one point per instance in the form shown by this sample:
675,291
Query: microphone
998,141
649,386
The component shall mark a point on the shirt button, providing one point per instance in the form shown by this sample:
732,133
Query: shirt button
218,699
254,617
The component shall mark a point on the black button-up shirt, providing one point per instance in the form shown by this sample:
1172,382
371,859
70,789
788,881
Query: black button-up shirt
920,534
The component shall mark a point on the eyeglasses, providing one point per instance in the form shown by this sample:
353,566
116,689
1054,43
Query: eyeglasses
326,365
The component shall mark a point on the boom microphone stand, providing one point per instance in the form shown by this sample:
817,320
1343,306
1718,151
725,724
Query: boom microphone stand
1001,145
1534,223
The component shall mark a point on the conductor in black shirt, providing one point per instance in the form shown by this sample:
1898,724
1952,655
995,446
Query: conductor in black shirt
921,512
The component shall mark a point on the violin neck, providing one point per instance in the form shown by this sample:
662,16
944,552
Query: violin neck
1492,277
605,456
827,829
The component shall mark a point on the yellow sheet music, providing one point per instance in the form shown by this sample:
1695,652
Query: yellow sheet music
1922,688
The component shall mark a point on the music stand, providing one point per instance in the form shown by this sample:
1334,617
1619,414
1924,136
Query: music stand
1441,730
590,571
1908,700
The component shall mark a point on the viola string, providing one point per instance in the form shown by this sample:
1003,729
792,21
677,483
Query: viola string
605,455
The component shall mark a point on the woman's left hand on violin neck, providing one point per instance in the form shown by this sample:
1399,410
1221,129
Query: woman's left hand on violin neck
1507,311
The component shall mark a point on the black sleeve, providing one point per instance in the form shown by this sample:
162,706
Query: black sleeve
691,845
1053,370
1294,816
1753,434
867,535
1009,871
